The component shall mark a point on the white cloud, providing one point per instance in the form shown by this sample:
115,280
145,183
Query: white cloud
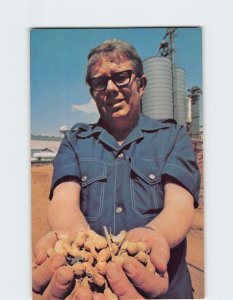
88,108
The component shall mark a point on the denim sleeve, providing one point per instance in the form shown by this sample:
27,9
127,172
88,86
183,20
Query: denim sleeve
181,164
65,165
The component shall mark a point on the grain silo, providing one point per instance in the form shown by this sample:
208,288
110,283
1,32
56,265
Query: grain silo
189,110
157,101
179,96
188,114
195,98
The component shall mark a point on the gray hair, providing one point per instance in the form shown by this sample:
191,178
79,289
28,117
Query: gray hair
114,49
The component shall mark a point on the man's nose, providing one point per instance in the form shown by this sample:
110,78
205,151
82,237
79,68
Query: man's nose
111,86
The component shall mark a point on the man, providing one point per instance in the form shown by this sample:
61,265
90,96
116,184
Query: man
126,172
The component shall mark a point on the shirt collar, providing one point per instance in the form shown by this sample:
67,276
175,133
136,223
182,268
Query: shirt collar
144,124
86,130
148,124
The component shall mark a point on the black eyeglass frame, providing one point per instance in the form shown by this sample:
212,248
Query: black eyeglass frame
107,78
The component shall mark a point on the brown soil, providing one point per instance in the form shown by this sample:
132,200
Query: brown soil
41,179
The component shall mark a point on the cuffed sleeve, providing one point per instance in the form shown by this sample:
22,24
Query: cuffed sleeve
65,164
181,164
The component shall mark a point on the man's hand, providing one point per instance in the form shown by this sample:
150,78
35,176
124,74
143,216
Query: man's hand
54,280
121,285
50,277
149,284
132,280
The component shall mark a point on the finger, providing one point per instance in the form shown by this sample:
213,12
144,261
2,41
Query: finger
99,296
151,284
120,284
41,257
60,285
44,273
82,293
159,256
46,242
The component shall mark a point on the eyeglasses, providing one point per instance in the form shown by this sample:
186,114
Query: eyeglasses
120,79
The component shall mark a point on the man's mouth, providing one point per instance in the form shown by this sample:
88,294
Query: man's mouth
115,102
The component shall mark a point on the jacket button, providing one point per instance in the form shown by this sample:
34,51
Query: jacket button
119,209
152,176
84,178
120,155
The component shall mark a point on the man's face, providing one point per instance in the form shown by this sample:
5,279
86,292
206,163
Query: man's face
117,105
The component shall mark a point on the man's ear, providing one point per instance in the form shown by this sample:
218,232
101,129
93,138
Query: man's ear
143,81
142,84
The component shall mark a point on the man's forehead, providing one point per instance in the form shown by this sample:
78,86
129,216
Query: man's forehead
111,64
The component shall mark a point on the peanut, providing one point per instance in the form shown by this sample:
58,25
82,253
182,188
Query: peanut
61,248
103,255
74,251
109,294
118,239
80,239
89,246
65,238
119,259
79,269
101,267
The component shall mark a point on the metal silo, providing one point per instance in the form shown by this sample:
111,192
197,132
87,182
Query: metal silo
189,110
179,96
188,114
195,96
157,101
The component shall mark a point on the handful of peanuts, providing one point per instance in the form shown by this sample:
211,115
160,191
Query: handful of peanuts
89,254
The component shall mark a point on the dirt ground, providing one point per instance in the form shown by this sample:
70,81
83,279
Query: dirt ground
40,184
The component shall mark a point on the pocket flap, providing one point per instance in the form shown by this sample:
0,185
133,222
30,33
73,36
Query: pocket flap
91,171
146,169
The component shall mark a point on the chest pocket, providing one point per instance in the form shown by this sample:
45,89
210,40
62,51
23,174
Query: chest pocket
93,179
147,192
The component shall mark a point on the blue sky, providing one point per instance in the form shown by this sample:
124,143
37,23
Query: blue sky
59,94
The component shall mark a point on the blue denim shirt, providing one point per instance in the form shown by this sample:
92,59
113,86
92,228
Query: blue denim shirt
122,186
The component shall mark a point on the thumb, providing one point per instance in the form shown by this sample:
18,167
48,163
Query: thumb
160,255
120,283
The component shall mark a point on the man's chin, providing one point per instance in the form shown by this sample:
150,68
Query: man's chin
117,116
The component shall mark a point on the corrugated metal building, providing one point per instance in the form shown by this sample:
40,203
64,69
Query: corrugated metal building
157,101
